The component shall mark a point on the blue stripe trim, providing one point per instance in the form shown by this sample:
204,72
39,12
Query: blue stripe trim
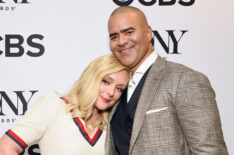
99,135
82,132
13,138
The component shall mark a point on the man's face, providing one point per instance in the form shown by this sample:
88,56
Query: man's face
129,39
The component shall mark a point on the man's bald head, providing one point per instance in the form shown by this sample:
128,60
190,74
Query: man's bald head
138,12
130,36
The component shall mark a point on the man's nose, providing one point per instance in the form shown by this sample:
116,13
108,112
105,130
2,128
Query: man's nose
122,39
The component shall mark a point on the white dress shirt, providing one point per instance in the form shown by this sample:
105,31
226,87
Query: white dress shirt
133,82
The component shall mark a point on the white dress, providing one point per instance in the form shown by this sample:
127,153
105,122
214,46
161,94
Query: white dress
55,130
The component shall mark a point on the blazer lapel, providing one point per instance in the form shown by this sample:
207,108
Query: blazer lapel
109,144
113,111
147,94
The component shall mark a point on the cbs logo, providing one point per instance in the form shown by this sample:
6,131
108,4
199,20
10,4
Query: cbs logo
15,45
152,2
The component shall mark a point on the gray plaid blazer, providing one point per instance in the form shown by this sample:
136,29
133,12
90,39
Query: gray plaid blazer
176,115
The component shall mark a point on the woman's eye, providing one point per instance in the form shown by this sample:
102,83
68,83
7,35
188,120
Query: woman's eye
105,81
120,89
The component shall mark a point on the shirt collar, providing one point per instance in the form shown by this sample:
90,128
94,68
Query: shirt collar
143,68
147,63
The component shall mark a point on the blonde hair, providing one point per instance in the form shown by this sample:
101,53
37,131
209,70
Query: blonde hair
84,93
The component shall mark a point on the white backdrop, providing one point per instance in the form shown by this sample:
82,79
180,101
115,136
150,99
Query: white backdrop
75,32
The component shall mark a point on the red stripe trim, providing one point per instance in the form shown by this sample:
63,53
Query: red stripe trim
65,99
95,137
17,138
82,128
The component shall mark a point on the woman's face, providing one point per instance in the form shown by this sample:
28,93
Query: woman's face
110,89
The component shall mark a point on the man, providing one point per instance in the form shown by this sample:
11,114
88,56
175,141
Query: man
168,108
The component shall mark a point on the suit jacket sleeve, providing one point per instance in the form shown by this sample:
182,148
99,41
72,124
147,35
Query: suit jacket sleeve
198,115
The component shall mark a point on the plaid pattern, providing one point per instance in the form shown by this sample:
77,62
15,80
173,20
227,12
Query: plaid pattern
183,117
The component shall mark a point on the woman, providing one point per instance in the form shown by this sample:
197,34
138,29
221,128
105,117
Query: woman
73,124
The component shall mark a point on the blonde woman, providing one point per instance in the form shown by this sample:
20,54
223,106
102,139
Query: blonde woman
75,123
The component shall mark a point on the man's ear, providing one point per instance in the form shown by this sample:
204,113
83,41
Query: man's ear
149,32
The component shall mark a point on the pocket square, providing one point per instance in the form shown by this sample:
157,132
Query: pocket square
155,110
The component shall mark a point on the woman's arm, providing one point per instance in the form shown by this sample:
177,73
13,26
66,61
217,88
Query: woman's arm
8,146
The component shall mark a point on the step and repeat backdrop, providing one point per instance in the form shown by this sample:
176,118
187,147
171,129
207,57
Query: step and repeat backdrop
45,45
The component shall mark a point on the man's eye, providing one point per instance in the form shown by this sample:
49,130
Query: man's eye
113,38
129,32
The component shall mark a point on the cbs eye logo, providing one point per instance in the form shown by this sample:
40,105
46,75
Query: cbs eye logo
152,2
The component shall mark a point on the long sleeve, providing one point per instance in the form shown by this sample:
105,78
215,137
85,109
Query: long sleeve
198,115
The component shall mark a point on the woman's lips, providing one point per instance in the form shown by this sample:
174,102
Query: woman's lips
105,100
